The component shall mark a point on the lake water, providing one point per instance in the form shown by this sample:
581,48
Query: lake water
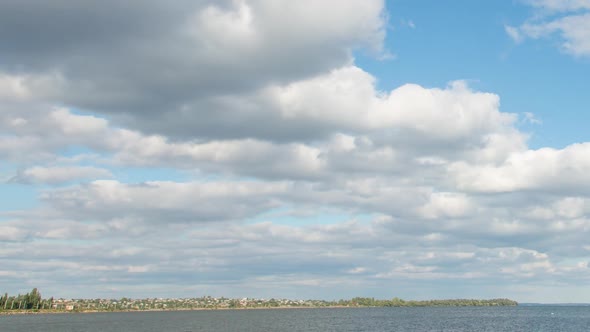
496,319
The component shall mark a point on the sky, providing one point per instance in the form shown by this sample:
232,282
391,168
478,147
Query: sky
296,149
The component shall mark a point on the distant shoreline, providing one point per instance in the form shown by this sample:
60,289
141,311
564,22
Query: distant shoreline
41,312
33,303
91,311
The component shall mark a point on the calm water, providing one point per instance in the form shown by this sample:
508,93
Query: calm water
514,319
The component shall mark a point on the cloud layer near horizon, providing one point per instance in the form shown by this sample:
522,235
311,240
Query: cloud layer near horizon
279,168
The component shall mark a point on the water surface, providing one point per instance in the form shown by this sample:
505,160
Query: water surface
496,319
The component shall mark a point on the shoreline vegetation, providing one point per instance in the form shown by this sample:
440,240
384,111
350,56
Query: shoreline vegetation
32,303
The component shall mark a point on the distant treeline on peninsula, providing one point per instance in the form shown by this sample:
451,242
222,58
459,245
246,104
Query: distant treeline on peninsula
397,302
33,302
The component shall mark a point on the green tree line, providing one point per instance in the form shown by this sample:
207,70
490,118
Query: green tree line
397,302
28,301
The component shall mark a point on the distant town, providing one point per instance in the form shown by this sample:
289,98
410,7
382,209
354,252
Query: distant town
33,302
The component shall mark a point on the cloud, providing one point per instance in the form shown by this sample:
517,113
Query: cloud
12,233
157,60
514,33
225,259
401,129
569,19
545,169
531,118
560,5
574,30
344,99
165,202
59,174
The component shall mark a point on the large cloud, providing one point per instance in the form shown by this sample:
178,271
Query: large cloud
561,171
410,124
145,60
165,201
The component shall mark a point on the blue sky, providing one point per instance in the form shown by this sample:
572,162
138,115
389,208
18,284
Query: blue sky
466,40
418,149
